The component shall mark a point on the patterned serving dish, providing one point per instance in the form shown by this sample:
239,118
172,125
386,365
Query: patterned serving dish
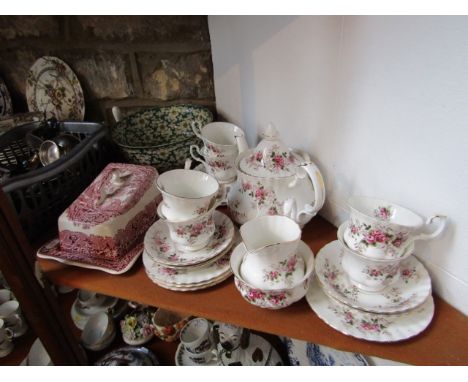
161,136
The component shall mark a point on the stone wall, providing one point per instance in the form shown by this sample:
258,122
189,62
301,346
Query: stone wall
130,61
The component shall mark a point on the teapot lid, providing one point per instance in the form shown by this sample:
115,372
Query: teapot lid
271,158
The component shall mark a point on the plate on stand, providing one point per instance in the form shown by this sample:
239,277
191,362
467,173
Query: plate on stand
5,100
52,88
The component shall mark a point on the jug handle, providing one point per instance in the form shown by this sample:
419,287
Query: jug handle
317,181
197,129
117,113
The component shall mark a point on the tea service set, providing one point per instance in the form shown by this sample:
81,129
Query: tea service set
12,321
369,284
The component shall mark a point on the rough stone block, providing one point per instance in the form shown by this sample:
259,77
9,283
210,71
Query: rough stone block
102,75
140,28
13,27
173,76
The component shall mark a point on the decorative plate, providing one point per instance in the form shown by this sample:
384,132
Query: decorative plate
53,88
411,290
5,100
303,353
129,356
183,276
161,249
52,251
182,358
369,326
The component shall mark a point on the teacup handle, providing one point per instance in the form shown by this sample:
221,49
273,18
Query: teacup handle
9,333
196,154
437,232
197,129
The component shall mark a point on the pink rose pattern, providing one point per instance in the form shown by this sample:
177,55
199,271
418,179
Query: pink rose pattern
383,213
261,298
332,274
368,235
362,322
386,272
275,160
261,197
281,271
191,232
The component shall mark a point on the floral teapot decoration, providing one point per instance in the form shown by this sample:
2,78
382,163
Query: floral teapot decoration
274,180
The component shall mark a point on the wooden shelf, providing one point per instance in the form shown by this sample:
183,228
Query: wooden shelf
444,342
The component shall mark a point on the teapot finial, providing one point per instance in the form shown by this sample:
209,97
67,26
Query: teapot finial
271,132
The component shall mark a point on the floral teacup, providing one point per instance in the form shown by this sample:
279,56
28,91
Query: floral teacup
187,193
383,230
221,167
192,234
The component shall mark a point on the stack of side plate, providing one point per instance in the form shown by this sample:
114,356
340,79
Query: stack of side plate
179,270
400,311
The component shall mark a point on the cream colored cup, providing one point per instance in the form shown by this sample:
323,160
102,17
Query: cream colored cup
187,193
221,167
11,314
6,337
271,243
192,234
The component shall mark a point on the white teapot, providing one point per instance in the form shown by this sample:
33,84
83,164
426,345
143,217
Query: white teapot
274,180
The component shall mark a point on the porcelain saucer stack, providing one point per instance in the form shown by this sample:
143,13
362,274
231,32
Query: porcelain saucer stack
373,288
180,270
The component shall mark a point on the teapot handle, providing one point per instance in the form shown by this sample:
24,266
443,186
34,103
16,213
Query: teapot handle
240,140
317,181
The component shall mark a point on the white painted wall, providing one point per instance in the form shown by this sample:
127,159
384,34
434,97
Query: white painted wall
381,103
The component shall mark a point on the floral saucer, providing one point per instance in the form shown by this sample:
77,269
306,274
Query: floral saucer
369,326
5,100
52,88
162,250
182,358
198,275
410,290
52,251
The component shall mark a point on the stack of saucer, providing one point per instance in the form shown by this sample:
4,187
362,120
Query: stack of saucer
180,270
369,285
188,248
